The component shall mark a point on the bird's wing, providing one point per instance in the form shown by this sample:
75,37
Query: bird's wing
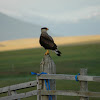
47,41
48,37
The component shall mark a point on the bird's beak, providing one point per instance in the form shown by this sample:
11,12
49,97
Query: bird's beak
47,29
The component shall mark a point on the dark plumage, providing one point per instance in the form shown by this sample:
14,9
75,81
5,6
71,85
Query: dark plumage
47,41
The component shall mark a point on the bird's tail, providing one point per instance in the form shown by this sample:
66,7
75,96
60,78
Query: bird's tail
58,53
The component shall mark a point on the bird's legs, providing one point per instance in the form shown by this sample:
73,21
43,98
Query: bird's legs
47,52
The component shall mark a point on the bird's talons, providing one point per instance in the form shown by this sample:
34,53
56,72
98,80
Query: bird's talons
47,53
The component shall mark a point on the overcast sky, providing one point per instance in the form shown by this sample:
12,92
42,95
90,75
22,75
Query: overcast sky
52,13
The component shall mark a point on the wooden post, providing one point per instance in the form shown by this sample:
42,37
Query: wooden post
83,84
47,65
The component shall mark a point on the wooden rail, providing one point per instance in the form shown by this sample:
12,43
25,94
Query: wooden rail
70,77
19,96
52,92
69,93
18,86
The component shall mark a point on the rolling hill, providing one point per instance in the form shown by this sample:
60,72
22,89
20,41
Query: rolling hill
11,28
34,42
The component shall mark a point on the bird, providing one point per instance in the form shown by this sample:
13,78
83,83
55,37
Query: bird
47,42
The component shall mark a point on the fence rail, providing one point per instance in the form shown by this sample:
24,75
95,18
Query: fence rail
69,93
52,92
70,77
19,96
18,86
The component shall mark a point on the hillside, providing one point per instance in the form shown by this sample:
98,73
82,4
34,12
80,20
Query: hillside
16,67
11,28
34,42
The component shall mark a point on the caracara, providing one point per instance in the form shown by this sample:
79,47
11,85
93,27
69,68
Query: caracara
47,42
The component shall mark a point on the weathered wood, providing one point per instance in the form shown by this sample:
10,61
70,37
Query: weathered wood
57,76
12,93
83,84
47,65
18,86
9,92
39,87
89,78
70,77
21,95
69,93
52,92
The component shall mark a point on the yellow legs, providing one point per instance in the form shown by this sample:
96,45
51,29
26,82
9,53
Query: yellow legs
47,53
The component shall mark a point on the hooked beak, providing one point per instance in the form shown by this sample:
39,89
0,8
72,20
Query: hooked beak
47,29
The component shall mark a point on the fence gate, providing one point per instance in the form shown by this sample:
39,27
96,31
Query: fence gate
46,84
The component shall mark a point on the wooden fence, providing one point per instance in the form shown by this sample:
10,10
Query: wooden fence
47,65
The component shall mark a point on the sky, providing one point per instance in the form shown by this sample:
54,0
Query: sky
57,15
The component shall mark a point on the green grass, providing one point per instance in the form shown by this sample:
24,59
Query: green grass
16,66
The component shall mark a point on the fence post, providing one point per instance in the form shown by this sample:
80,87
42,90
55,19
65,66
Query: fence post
83,84
47,65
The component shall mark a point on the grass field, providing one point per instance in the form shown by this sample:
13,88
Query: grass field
16,66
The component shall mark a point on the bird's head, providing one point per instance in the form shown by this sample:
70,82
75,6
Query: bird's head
44,29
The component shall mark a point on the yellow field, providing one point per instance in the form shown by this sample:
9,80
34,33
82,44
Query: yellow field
34,42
